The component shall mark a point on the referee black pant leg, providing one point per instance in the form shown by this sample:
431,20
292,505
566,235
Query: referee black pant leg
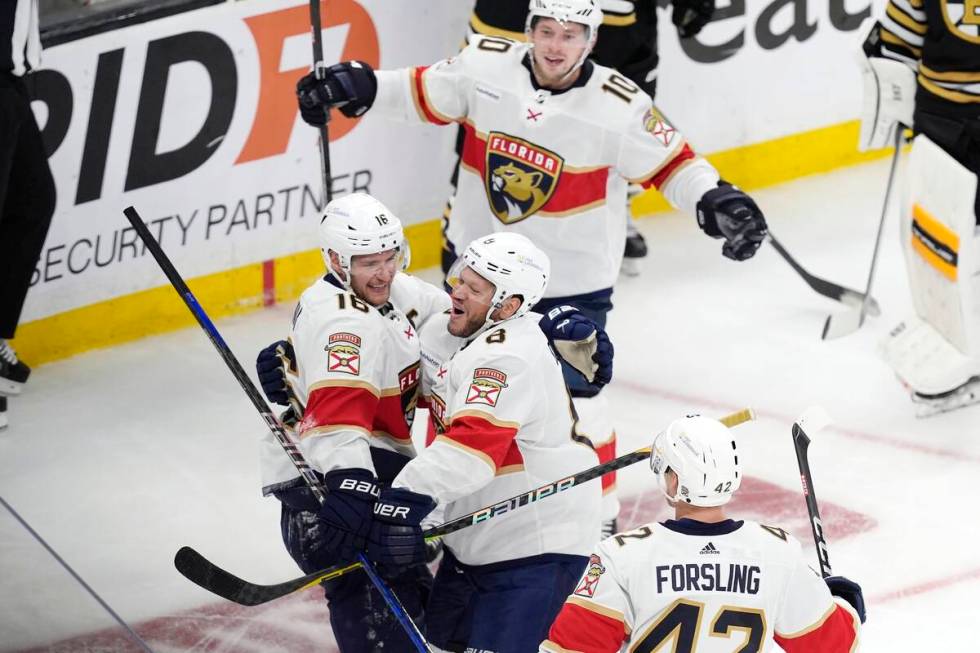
27,202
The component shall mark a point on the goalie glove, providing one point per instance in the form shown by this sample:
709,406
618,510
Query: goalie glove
580,342
888,100
349,86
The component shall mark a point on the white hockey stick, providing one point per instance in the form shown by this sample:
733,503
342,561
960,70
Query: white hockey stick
842,324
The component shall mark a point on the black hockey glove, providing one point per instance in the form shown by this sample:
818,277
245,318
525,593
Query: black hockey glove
349,86
580,342
395,540
726,212
271,365
848,590
691,15
346,513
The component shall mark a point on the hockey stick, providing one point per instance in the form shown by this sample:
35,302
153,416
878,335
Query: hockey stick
295,455
812,421
842,324
316,27
822,286
201,571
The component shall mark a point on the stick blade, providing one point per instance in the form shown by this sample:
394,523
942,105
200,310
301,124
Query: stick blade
854,299
839,325
813,419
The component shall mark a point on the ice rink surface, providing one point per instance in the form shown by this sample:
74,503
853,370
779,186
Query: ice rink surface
119,457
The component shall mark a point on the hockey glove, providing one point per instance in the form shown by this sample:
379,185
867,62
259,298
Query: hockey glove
580,342
271,366
691,15
848,590
349,86
395,540
726,212
346,513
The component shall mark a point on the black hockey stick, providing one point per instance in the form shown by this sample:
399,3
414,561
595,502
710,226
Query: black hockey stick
822,286
813,420
316,27
295,455
838,325
203,572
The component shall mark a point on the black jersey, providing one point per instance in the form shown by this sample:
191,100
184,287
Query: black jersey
943,38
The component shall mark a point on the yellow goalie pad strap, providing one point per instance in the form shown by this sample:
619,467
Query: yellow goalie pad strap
936,243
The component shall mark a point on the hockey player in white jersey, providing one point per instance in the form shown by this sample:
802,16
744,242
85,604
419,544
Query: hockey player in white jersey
551,142
702,581
352,364
354,381
505,426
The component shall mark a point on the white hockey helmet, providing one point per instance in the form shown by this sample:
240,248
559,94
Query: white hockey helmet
512,263
586,12
703,454
358,224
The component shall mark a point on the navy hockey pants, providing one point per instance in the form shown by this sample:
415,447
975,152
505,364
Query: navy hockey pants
505,607
359,616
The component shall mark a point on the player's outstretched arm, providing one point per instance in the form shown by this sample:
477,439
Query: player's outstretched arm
349,86
726,212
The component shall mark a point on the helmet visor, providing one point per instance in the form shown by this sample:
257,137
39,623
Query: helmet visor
463,280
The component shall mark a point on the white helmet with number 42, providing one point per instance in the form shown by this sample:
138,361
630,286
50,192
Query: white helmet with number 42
359,224
703,454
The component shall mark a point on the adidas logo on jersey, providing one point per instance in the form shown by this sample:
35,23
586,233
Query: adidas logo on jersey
709,549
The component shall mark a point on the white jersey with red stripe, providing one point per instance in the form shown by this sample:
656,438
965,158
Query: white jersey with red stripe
553,166
357,374
504,427
716,588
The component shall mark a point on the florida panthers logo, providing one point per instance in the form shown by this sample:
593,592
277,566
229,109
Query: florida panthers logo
344,353
408,386
486,386
963,18
520,177
591,578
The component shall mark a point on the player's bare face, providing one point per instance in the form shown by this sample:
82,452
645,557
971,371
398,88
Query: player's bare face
372,274
557,49
471,297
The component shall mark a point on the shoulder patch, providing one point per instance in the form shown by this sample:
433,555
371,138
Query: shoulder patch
486,386
344,353
658,126
590,581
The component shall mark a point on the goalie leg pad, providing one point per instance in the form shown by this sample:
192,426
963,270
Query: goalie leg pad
926,362
942,245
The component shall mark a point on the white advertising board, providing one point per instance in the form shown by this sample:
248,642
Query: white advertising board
192,120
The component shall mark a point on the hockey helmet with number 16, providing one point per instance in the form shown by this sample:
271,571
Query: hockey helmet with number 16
512,263
702,453
358,224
